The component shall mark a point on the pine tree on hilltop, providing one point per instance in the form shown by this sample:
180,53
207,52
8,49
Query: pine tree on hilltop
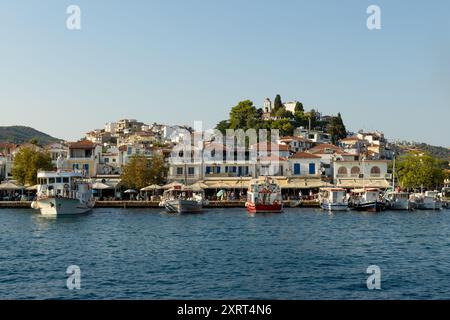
277,104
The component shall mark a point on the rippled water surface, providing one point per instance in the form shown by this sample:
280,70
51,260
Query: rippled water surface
225,254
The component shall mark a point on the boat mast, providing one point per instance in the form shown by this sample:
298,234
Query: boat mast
393,175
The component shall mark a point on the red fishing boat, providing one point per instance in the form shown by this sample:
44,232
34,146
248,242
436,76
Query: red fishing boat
264,197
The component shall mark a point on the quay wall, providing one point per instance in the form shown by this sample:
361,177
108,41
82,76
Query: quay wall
151,204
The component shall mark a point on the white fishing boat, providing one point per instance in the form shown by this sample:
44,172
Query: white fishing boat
366,199
333,199
428,200
398,200
181,199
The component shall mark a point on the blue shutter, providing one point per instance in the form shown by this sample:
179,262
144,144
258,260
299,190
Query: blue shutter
312,168
208,170
296,168
218,170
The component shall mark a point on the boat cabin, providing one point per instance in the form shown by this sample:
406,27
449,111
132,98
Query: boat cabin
264,192
333,195
61,184
183,192
366,194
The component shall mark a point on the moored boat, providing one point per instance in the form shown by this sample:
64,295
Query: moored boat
62,193
264,197
398,200
333,199
181,199
429,200
366,199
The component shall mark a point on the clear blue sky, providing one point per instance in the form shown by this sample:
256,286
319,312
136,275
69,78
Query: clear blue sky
179,61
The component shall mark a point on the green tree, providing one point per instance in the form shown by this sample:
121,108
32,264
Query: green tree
277,103
299,107
141,171
136,173
282,113
284,125
223,125
417,170
158,170
244,116
336,129
27,162
34,141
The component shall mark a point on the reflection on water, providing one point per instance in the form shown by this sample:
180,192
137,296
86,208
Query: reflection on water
225,253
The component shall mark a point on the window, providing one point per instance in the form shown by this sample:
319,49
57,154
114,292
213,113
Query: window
375,171
75,166
218,169
208,170
58,180
51,180
191,170
342,171
86,167
106,160
312,168
179,170
296,168
66,180
355,171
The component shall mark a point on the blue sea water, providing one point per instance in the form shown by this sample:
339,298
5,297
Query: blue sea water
225,254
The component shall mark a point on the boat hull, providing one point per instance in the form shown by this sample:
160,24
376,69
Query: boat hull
264,208
334,206
183,206
435,205
61,206
400,205
372,206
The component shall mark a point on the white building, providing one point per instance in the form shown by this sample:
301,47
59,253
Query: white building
296,144
357,174
304,164
267,105
290,106
110,162
111,127
56,150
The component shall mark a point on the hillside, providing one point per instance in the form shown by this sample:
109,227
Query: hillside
435,151
21,134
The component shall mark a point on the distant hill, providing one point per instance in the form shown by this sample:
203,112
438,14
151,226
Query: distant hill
435,151
21,134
